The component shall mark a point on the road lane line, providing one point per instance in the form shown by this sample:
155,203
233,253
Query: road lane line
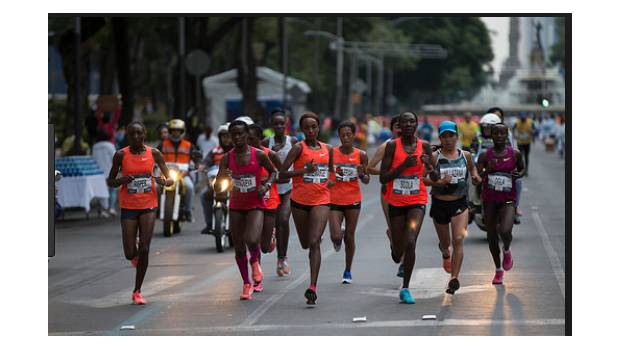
330,326
558,271
263,308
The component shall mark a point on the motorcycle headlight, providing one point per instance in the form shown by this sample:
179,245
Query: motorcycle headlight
225,184
173,174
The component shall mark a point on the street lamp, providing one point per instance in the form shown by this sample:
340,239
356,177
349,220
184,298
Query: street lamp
339,46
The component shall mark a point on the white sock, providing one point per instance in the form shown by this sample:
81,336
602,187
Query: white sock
498,269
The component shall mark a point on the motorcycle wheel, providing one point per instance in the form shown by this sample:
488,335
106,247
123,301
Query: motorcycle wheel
219,232
168,223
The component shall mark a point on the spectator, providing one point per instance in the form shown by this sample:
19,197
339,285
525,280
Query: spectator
425,131
206,142
103,152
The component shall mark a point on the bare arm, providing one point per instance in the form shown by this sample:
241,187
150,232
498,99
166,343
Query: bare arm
292,155
471,167
264,161
364,176
520,166
387,175
112,181
159,159
373,168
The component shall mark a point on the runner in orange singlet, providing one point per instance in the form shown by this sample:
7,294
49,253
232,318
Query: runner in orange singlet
137,198
403,168
312,161
346,197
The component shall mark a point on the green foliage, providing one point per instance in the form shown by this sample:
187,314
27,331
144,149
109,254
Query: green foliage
559,49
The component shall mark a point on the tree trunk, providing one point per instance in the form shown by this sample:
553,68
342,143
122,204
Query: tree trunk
121,46
246,69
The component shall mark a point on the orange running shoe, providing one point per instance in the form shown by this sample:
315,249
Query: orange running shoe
247,292
257,273
137,298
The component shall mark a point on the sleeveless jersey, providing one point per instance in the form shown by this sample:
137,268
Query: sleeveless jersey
272,198
408,188
346,191
246,179
282,153
500,185
457,169
311,189
139,193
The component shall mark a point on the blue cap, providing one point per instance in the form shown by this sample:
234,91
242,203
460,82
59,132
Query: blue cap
447,125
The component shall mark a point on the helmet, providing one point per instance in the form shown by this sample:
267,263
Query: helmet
222,128
177,124
490,118
245,119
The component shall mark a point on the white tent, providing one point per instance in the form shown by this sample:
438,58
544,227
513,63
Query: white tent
222,87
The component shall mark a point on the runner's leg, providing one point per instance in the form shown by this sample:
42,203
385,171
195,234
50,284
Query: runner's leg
490,212
317,221
459,232
146,223
506,219
415,217
352,216
335,224
268,226
283,228
129,230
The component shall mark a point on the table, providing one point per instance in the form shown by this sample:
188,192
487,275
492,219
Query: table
78,191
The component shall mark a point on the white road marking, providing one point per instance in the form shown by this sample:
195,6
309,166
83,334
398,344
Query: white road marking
351,325
263,308
553,256
123,297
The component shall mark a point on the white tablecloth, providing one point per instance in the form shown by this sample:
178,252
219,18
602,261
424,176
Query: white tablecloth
78,191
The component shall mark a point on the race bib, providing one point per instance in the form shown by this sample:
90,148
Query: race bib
406,185
244,183
140,184
319,176
349,173
458,174
500,182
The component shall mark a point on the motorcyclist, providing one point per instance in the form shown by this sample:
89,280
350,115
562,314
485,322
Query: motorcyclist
211,163
176,149
483,140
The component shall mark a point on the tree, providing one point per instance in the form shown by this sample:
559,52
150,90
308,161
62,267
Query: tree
558,50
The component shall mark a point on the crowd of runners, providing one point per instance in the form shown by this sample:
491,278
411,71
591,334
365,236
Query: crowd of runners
320,185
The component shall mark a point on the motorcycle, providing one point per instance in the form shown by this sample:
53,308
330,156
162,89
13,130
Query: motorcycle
221,190
476,209
170,200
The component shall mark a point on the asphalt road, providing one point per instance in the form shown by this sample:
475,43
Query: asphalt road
193,290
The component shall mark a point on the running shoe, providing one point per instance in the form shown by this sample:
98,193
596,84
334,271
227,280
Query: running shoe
285,268
310,296
137,298
401,271
280,268
246,294
499,277
507,262
405,296
346,278
453,286
134,262
112,212
258,287
257,272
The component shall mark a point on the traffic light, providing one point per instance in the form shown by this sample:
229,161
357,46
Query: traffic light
543,101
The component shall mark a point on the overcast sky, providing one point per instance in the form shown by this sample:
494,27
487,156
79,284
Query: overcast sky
499,27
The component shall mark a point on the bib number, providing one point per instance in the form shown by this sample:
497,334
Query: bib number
244,183
140,184
349,173
457,174
500,182
406,185
319,176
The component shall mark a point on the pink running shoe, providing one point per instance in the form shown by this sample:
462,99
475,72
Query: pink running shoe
257,272
134,262
137,298
258,287
507,262
499,277
246,294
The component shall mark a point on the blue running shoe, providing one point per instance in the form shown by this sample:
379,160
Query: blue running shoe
346,278
405,296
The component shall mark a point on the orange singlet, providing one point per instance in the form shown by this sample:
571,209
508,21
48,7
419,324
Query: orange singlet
140,193
408,188
311,189
272,198
346,191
